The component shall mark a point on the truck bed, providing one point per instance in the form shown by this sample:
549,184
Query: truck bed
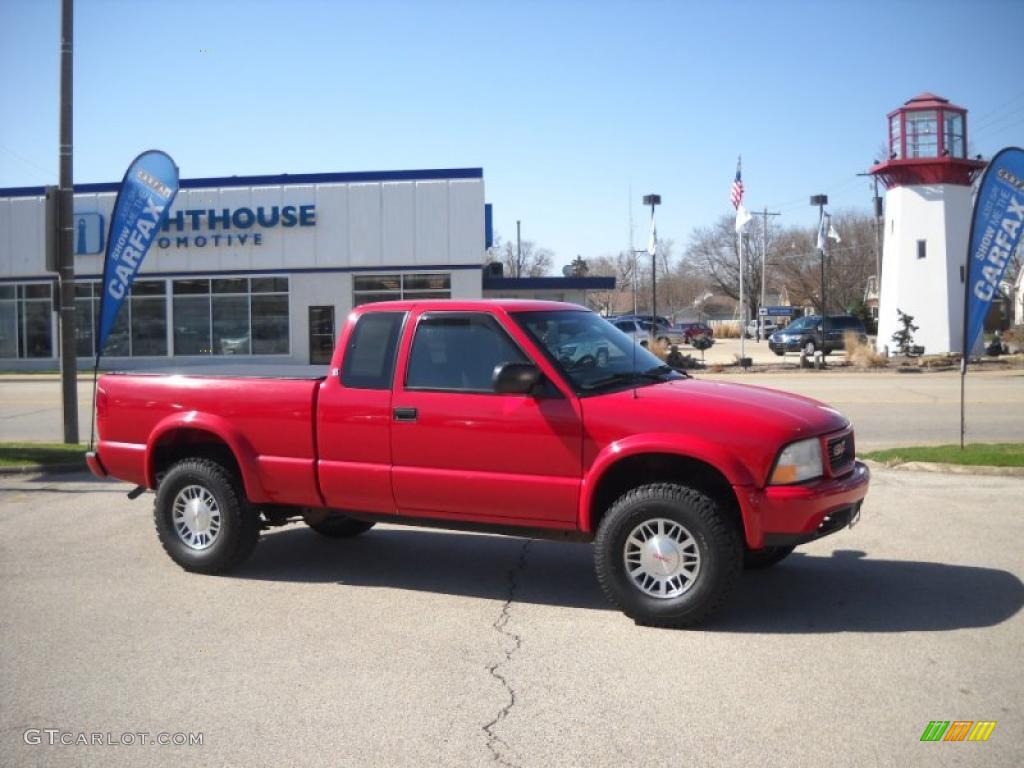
268,420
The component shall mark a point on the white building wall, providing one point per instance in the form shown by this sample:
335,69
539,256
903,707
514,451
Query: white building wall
930,289
361,227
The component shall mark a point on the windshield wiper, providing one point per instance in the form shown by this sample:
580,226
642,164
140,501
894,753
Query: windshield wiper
656,374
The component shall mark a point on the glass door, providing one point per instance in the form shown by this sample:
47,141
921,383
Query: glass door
321,335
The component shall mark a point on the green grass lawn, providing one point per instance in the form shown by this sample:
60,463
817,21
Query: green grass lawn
973,454
43,454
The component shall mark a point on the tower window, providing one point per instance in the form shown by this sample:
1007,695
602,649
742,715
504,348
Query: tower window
922,248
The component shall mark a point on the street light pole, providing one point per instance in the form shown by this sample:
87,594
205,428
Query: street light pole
764,269
821,201
653,200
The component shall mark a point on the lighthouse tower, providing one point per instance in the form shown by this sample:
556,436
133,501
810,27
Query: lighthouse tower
927,177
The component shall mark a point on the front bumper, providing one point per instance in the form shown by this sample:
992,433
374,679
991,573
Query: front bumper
787,515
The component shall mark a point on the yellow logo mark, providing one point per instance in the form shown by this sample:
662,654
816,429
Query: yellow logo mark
982,730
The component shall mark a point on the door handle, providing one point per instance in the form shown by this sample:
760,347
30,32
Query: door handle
405,414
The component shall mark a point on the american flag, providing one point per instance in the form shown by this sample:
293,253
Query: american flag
737,187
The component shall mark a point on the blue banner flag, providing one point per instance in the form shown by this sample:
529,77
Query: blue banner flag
142,204
996,229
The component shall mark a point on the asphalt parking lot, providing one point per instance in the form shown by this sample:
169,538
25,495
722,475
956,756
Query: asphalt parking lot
416,647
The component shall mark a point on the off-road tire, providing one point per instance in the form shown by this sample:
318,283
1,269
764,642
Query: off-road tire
757,559
239,527
809,348
338,526
718,543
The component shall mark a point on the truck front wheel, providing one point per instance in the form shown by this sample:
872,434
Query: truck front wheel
666,556
202,518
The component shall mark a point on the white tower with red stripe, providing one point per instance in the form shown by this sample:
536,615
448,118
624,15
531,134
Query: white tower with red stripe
928,178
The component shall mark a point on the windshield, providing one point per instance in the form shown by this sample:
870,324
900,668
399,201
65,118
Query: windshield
807,321
593,354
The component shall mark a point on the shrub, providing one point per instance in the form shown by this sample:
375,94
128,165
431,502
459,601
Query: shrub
862,355
728,331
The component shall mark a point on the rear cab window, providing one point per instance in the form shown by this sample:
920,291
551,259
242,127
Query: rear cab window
371,351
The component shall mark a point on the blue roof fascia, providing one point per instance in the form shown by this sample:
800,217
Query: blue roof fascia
434,174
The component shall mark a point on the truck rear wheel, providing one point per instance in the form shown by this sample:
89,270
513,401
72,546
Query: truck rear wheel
335,526
666,556
202,518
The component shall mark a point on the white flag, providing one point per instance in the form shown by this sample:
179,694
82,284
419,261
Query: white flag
821,235
652,243
742,218
832,234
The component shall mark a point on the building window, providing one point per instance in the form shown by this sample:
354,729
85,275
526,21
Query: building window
428,285
26,320
953,134
922,248
895,146
140,329
922,134
231,316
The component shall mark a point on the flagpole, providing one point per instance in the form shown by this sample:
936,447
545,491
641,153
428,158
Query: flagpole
743,309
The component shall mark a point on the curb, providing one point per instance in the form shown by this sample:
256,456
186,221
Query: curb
951,469
44,469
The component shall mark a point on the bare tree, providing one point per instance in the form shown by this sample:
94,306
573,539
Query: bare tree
620,266
530,260
715,251
797,261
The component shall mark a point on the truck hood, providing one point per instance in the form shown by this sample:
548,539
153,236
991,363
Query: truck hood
747,424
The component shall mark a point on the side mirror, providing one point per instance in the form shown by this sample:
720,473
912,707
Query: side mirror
515,378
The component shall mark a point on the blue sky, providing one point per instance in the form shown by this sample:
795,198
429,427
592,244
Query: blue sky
565,105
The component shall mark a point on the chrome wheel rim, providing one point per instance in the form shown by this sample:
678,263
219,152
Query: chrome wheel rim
662,558
196,517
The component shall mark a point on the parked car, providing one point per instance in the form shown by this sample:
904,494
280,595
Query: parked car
806,334
692,330
633,329
460,414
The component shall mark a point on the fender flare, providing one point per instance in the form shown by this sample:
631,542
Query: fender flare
220,428
715,455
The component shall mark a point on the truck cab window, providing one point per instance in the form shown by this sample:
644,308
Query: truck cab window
459,352
370,354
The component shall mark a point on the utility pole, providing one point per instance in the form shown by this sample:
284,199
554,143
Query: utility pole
65,218
764,268
877,207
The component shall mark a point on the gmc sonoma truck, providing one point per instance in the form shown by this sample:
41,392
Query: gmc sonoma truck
489,416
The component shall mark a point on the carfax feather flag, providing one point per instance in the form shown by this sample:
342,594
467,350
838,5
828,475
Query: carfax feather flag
141,208
996,229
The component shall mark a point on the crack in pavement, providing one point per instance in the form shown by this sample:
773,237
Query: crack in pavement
500,625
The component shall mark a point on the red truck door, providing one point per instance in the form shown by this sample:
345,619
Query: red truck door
354,418
462,450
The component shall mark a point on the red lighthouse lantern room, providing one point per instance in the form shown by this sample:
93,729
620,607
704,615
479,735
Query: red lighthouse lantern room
927,145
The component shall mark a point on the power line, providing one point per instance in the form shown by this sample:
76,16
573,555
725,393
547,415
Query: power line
26,161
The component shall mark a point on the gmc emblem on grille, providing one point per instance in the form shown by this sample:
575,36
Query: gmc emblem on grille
838,450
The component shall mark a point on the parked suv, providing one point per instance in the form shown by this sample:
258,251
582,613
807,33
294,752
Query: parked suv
806,334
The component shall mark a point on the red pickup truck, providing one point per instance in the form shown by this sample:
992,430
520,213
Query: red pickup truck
528,418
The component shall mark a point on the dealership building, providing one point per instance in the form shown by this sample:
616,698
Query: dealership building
259,268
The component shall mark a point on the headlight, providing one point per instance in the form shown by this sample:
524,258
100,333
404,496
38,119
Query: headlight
799,461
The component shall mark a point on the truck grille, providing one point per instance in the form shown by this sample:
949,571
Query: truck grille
841,453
